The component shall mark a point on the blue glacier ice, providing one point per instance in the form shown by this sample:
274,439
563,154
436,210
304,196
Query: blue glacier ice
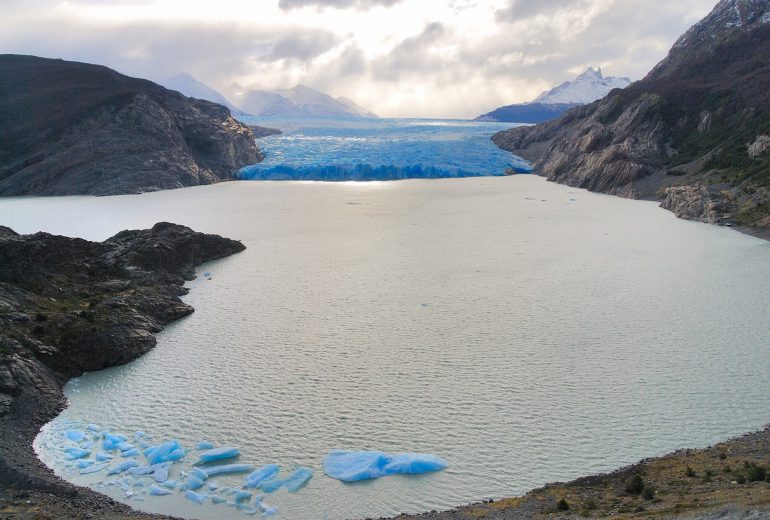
218,500
168,451
95,468
241,495
265,473
83,463
159,491
227,468
158,472
350,466
195,497
381,149
293,482
123,467
93,428
102,456
204,445
113,442
133,452
212,455
75,435
76,453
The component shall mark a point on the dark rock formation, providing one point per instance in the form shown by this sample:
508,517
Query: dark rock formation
698,121
529,113
262,131
68,306
73,128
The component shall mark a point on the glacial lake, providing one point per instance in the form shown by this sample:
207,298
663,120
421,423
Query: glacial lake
525,331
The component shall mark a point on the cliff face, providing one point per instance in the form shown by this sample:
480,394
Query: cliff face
72,128
68,306
693,132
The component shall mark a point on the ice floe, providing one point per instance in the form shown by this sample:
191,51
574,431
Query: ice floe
350,466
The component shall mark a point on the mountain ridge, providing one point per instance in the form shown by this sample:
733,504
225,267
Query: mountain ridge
693,134
585,88
299,101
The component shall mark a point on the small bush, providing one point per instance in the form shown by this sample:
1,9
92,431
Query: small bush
648,493
41,317
37,330
754,472
591,504
722,455
740,479
727,469
635,485
562,505
690,472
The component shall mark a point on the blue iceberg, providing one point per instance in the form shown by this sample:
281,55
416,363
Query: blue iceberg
76,453
292,483
158,491
159,472
101,456
166,452
204,445
227,468
94,468
195,497
75,435
255,480
350,466
122,467
218,454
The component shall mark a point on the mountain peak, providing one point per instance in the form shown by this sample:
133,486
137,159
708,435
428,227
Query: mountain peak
589,86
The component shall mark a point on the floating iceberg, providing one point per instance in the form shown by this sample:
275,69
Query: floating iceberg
133,452
227,468
158,491
168,451
350,466
195,497
101,456
241,495
218,454
83,463
292,483
255,480
159,472
122,467
75,435
94,468
76,453
114,442
204,445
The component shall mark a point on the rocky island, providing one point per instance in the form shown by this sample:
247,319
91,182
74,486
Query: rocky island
694,133
68,306
70,128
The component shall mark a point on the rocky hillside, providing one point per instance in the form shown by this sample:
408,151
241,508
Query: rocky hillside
694,133
72,128
68,306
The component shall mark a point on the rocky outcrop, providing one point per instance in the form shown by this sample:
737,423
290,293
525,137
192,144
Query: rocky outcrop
71,128
688,125
68,306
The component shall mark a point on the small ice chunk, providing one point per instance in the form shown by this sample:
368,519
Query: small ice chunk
218,500
204,445
195,497
102,456
213,486
158,491
170,484
139,434
133,452
226,452
76,453
227,468
266,509
350,466
75,435
122,467
255,480
241,495
111,442
94,468
94,428
83,463
159,472
193,482
293,482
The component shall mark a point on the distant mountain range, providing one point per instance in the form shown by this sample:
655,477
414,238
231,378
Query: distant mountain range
299,101
694,133
586,88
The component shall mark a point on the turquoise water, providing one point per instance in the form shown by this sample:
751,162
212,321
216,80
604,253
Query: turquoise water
523,331
380,149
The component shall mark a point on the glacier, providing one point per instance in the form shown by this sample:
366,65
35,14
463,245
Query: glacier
387,149
351,466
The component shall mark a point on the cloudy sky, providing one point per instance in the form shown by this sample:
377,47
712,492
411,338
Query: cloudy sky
426,58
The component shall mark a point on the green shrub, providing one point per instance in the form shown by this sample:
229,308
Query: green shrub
562,505
754,472
635,484
648,493
690,472
591,504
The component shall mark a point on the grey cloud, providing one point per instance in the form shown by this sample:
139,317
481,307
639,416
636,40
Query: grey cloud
303,46
412,54
339,4
525,9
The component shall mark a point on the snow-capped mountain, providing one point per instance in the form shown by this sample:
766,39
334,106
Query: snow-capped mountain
299,101
586,88
191,87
